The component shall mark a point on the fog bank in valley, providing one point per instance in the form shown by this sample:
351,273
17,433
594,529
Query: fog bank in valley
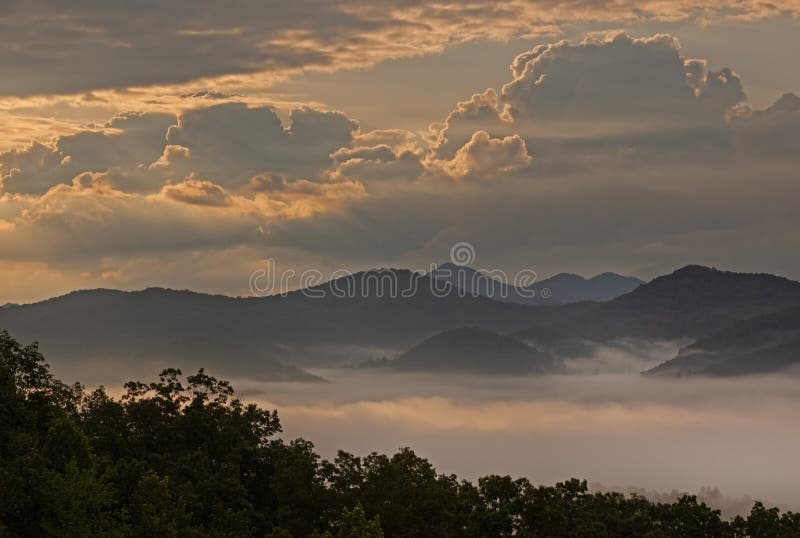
620,429
730,440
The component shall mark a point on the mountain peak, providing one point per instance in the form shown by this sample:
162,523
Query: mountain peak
476,350
615,277
455,267
693,270
697,288
561,288
788,102
565,277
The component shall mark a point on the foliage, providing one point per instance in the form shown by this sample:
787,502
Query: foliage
184,457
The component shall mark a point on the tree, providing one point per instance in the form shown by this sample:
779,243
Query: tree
354,524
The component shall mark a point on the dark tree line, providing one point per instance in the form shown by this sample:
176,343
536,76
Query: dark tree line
184,457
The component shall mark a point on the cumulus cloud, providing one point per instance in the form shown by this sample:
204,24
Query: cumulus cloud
146,183
611,100
126,141
377,163
140,152
485,157
232,142
617,77
610,96
481,112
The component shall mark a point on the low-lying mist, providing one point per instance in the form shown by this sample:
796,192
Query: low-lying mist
738,435
604,422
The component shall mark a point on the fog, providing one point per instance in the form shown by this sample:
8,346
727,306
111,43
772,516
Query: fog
730,440
618,429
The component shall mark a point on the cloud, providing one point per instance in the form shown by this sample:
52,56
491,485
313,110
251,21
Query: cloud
206,94
116,44
91,220
231,142
368,164
197,192
481,112
228,142
617,77
610,97
610,153
126,141
301,198
772,132
485,157
614,148
152,185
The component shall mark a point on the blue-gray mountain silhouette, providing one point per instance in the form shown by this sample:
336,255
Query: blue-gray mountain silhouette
562,288
688,303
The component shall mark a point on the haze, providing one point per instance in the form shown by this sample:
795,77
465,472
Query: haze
603,422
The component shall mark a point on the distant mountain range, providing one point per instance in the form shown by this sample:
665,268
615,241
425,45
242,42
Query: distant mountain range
271,337
739,323
562,288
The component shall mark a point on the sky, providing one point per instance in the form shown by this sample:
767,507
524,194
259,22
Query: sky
182,144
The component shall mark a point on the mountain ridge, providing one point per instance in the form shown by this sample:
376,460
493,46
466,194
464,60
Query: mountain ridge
561,288
763,344
283,334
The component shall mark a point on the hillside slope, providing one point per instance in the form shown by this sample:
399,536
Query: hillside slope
763,344
474,350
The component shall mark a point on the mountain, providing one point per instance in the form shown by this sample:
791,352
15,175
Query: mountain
556,342
474,350
570,288
373,313
161,326
763,344
562,288
270,337
390,307
697,300
688,303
